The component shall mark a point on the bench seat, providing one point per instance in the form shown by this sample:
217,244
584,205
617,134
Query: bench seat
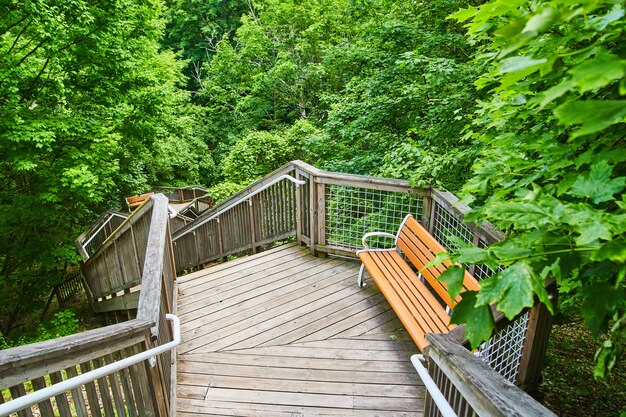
419,299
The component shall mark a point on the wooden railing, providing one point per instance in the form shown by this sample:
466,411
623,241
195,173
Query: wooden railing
135,268
139,252
470,387
181,194
91,239
254,217
330,212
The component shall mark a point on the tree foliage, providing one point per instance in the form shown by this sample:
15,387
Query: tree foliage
553,171
90,111
386,85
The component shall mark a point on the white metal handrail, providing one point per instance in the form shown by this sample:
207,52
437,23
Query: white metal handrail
241,200
442,404
38,396
84,245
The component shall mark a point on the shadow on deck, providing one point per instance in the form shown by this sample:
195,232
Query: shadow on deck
283,333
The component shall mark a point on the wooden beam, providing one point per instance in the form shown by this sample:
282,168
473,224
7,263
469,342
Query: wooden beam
127,301
484,390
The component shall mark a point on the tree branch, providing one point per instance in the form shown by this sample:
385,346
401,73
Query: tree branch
19,35
15,24
32,51
33,83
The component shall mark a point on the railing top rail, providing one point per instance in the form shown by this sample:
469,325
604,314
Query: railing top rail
133,217
148,307
220,210
22,357
486,391
329,176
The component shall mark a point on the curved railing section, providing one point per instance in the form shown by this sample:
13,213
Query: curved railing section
136,259
91,239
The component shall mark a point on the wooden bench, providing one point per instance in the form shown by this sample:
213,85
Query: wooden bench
421,301
136,200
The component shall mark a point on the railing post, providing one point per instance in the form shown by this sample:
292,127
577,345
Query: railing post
252,226
536,344
298,193
321,216
427,203
220,238
313,213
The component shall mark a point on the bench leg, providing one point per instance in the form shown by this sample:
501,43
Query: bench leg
360,278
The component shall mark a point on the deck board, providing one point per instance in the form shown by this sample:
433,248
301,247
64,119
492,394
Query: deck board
283,333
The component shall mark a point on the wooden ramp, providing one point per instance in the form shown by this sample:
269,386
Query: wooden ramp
283,333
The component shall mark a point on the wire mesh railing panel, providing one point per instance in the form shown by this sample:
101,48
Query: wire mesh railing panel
446,225
353,211
503,352
482,271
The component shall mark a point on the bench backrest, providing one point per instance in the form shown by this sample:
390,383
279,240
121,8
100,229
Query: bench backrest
136,200
420,247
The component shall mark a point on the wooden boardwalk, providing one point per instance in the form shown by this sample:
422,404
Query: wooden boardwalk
283,333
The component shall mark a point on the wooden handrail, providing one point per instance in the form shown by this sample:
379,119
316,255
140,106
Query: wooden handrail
151,281
150,391
473,383
218,211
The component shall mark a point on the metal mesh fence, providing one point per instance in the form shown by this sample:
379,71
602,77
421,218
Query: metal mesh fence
446,225
351,212
503,352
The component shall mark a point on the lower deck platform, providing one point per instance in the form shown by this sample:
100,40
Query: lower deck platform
283,333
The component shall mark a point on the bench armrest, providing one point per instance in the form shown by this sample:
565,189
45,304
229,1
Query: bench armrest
370,234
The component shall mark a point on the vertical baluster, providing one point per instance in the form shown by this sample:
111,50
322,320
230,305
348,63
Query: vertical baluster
63,404
92,393
114,385
45,407
77,395
131,401
18,391
103,388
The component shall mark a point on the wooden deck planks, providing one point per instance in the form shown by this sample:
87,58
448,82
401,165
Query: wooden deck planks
283,333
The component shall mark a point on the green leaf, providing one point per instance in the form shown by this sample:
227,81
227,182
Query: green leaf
591,232
606,358
554,92
601,301
614,250
601,22
597,72
510,251
478,320
541,22
472,255
463,14
519,63
512,289
597,184
592,115
526,215
453,277
438,259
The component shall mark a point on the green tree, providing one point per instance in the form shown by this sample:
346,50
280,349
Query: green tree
90,110
194,28
255,155
553,171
